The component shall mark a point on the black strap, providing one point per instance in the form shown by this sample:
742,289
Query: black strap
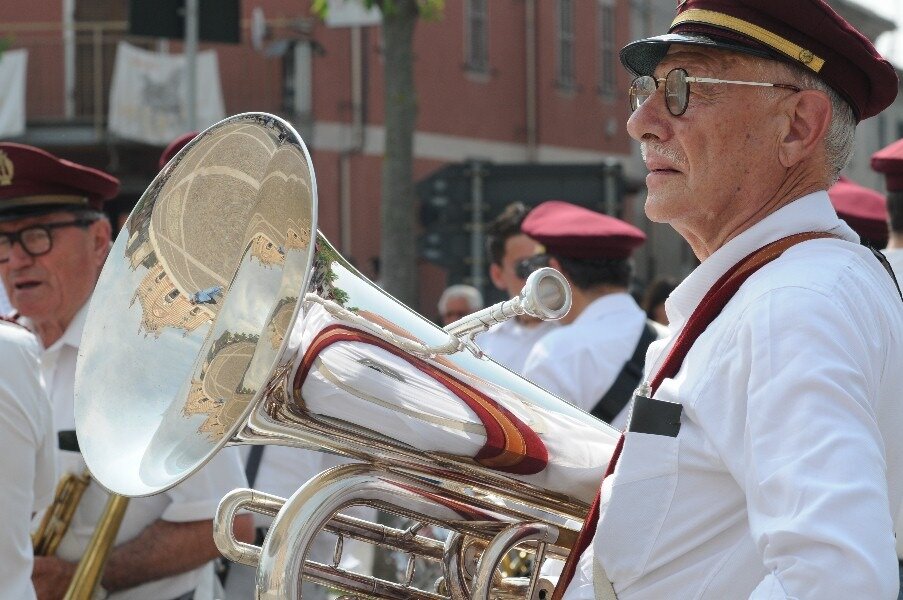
883,260
253,464
620,392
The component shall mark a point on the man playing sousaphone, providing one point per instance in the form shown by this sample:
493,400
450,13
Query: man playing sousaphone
54,239
763,459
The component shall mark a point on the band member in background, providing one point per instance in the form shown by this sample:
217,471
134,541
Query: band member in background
594,360
27,463
512,258
763,457
889,161
56,240
458,301
863,209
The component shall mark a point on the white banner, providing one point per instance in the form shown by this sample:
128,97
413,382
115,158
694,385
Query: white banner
13,65
149,94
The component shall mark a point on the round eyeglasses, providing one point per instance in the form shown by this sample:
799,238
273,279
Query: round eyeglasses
677,89
36,240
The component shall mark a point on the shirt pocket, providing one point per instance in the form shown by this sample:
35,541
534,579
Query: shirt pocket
634,503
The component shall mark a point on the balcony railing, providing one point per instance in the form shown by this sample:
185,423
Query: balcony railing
70,70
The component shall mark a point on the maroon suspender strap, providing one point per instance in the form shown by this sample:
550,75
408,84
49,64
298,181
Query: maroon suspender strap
708,309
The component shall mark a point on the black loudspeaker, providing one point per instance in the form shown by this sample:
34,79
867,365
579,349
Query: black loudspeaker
219,20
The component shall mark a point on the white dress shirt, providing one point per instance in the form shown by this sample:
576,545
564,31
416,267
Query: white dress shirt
788,466
509,343
195,499
27,463
579,361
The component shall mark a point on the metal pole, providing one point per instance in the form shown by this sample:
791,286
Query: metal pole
192,13
476,225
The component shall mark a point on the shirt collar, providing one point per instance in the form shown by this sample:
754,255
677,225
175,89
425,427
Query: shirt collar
606,304
73,334
812,212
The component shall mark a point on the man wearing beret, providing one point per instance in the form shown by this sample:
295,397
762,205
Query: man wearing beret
889,162
511,259
762,458
863,209
595,359
54,239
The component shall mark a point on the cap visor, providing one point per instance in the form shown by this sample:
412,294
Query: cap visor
642,56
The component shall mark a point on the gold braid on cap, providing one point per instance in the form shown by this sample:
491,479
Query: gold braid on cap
61,199
772,40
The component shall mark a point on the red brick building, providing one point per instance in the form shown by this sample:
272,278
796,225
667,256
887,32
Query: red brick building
509,81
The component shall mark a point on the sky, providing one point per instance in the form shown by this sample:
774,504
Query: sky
889,44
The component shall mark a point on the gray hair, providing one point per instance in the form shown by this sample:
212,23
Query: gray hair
471,294
840,139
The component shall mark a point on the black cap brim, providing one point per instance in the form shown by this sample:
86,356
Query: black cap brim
642,56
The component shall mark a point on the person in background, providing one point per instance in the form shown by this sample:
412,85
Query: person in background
458,301
863,209
889,162
28,461
654,299
54,239
594,360
763,457
513,256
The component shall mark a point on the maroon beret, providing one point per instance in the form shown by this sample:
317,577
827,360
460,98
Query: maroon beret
889,161
33,181
864,210
570,231
804,32
176,145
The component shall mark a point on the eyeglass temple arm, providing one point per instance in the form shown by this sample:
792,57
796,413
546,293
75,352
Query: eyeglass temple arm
755,83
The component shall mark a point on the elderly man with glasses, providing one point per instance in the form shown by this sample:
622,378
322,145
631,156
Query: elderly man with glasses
54,239
763,456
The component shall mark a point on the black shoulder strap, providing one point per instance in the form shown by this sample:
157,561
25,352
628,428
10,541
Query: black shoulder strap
883,260
253,464
620,392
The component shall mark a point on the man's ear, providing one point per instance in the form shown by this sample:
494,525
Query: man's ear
102,236
495,274
809,117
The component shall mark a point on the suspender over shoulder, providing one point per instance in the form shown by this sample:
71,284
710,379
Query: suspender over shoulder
620,392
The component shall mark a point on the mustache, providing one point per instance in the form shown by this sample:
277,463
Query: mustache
672,155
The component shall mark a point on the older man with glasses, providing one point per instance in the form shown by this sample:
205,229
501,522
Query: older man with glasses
54,239
763,455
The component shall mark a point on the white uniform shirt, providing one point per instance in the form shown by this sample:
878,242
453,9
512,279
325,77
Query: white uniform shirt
789,461
895,258
509,343
27,463
580,361
195,499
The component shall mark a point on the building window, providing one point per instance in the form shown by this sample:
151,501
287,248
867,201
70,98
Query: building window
476,27
607,55
566,70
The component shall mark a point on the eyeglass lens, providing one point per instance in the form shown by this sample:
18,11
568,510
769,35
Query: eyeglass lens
35,241
677,91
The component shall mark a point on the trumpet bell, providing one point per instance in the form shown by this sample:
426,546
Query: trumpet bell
209,263
223,316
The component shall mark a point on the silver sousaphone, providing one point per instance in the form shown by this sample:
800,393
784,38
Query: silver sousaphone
223,316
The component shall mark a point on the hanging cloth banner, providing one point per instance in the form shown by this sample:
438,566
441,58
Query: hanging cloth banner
13,65
149,94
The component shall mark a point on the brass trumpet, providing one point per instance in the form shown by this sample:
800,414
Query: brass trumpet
238,323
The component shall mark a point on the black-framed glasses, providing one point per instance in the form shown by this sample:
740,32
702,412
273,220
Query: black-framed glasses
35,239
525,266
677,89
